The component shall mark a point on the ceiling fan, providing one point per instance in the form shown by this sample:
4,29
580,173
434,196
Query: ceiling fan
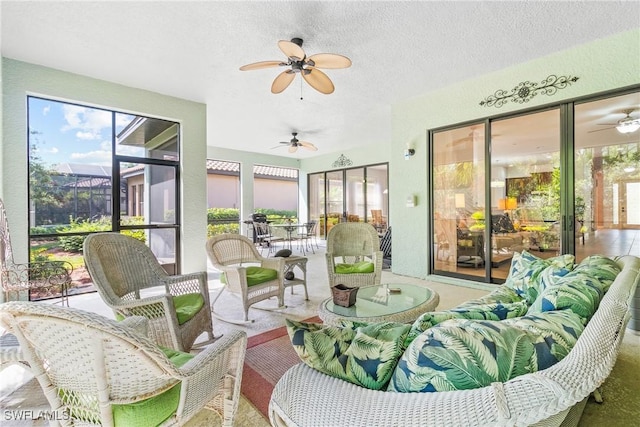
294,143
626,124
298,63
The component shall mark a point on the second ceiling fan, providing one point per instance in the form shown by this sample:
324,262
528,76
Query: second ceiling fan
298,63
294,143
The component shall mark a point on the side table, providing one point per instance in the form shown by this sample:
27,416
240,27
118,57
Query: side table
290,264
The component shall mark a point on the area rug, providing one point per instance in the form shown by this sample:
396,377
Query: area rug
268,357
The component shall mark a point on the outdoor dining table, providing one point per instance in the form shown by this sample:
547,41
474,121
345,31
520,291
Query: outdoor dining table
290,227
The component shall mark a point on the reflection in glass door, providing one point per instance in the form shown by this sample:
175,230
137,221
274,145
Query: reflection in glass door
630,204
525,188
355,195
458,178
607,177
335,201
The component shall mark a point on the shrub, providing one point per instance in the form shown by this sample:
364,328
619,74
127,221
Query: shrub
74,243
213,229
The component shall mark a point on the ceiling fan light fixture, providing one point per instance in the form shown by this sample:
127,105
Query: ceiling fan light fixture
628,126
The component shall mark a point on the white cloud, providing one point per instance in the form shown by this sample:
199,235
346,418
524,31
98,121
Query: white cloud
88,121
98,157
53,150
87,135
46,110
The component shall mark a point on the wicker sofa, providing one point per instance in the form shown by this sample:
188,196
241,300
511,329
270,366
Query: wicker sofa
553,396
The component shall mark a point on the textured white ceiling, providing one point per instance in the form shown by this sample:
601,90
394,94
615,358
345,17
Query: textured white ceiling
193,50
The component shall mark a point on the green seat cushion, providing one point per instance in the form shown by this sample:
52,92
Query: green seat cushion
494,311
155,410
529,275
460,354
256,275
358,267
363,354
149,412
187,306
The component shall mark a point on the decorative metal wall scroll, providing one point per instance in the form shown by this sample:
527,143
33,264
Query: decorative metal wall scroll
341,162
525,91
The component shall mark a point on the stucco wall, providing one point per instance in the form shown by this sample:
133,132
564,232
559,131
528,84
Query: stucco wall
21,79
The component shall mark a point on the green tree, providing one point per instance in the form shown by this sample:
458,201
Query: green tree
40,181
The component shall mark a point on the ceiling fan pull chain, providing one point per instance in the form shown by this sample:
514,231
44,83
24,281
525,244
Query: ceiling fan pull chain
301,89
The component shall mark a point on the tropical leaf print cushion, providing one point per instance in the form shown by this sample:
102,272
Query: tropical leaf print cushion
559,329
495,311
579,293
365,355
465,354
600,267
529,275
502,294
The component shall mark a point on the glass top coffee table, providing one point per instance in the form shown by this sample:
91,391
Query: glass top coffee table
382,303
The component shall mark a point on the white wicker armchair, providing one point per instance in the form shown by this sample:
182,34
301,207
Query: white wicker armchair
232,254
131,282
87,364
50,279
350,242
552,397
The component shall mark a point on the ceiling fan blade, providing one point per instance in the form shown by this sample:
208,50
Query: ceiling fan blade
318,80
293,148
308,145
598,130
329,60
260,65
291,49
283,81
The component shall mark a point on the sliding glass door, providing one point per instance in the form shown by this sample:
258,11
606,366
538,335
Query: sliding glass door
607,176
355,195
458,177
558,180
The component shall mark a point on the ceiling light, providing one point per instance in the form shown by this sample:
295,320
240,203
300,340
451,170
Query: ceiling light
628,126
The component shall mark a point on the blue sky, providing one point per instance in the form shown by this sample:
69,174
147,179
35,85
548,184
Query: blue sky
72,134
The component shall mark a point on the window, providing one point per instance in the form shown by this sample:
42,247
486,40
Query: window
356,194
223,197
275,191
77,156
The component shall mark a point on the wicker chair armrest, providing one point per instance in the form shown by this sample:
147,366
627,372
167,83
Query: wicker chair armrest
213,352
138,324
186,283
149,307
346,401
213,378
